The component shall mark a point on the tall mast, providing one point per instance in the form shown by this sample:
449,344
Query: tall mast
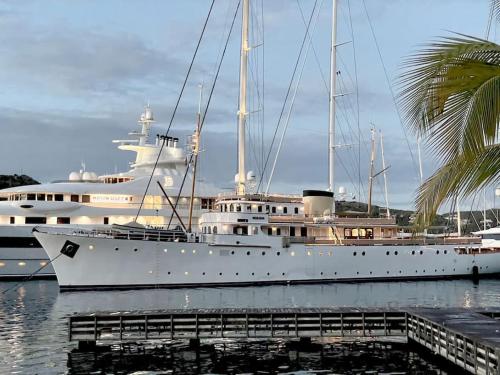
384,168
242,108
196,149
370,178
333,80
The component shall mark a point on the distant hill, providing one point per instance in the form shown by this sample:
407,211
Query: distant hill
7,181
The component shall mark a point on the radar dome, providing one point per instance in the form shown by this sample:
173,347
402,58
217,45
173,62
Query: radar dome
342,190
75,176
251,176
148,114
88,176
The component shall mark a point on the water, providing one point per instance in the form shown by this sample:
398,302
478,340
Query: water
33,331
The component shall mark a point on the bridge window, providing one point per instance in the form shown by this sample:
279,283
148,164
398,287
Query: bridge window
278,231
215,229
106,220
12,220
40,197
85,198
285,210
58,197
296,210
259,208
35,220
31,197
231,208
238,208
63,220
273,209
269,231
50,197
74,198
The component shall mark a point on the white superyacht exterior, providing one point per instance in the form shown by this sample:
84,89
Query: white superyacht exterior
91,201
261,238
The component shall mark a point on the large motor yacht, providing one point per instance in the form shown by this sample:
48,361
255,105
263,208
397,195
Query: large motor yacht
261,238
90,201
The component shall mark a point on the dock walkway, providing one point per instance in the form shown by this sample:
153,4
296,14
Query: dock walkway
468,338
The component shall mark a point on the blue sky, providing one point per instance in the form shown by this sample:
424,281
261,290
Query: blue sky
75,75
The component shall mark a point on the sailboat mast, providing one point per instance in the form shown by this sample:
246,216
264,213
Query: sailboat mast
370,178
384,168
196,150
242,110
333,85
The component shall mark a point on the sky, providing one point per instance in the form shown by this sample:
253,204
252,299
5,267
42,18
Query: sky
76,75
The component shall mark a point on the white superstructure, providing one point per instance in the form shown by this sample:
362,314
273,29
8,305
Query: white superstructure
88,200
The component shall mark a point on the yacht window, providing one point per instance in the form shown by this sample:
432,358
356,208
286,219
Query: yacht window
221,208
215,230
255,230
259,208
273,209
296,210
278,231
35,220
50,197
12,220
204,203
40,197
31,197
269,231
231,208
285,210
249,208
303,232
238,208
209,230
106,220
292,231
3,198
74,198
85,198
58,197
267,208
63,220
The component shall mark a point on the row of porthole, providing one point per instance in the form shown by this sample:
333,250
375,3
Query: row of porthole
22,264
186,273
396,253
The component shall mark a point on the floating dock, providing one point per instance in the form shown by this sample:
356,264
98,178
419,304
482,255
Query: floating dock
468,338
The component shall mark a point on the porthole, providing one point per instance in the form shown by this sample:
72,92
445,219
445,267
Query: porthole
321,273
416,271
454,268
335,273
135,249
232,252
186,273
253,273
423,271
248,252
443,269
220,273
91,247
203,273
183,251
387,272
395,253
263,253
435,270
446,251
210,252
283,274
363,253
413,252
354,254
386,253
357,273
237,273
169,272
371,273
421,252
278,253
116,249
292,253
400,271
150,272
437,252
268,274
194,251
309,253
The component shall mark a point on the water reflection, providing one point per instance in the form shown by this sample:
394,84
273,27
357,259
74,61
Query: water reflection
33,331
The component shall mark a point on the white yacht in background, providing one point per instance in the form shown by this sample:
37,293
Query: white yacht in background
261,238
90,201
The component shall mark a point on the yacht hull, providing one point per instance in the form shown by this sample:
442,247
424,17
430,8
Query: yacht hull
102,262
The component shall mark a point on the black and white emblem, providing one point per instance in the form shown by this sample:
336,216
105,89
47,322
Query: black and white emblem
69,249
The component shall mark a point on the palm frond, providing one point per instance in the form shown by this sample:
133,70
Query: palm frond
459,177
450,92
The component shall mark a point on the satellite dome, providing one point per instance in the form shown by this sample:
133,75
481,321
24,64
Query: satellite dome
87,176
75,176
148,114
251,176
93,176
342,190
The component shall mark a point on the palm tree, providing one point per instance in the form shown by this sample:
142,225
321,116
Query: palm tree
450,95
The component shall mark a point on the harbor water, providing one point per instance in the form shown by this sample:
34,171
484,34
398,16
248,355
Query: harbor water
33,330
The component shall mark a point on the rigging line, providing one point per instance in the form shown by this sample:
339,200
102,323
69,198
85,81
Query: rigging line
390,88
31,275
290,108
357,94
314,49
207,106
175,108
287,94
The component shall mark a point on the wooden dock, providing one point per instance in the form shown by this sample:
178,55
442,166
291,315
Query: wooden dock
468,338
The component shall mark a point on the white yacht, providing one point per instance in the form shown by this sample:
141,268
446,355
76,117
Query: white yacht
90,201
261,238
